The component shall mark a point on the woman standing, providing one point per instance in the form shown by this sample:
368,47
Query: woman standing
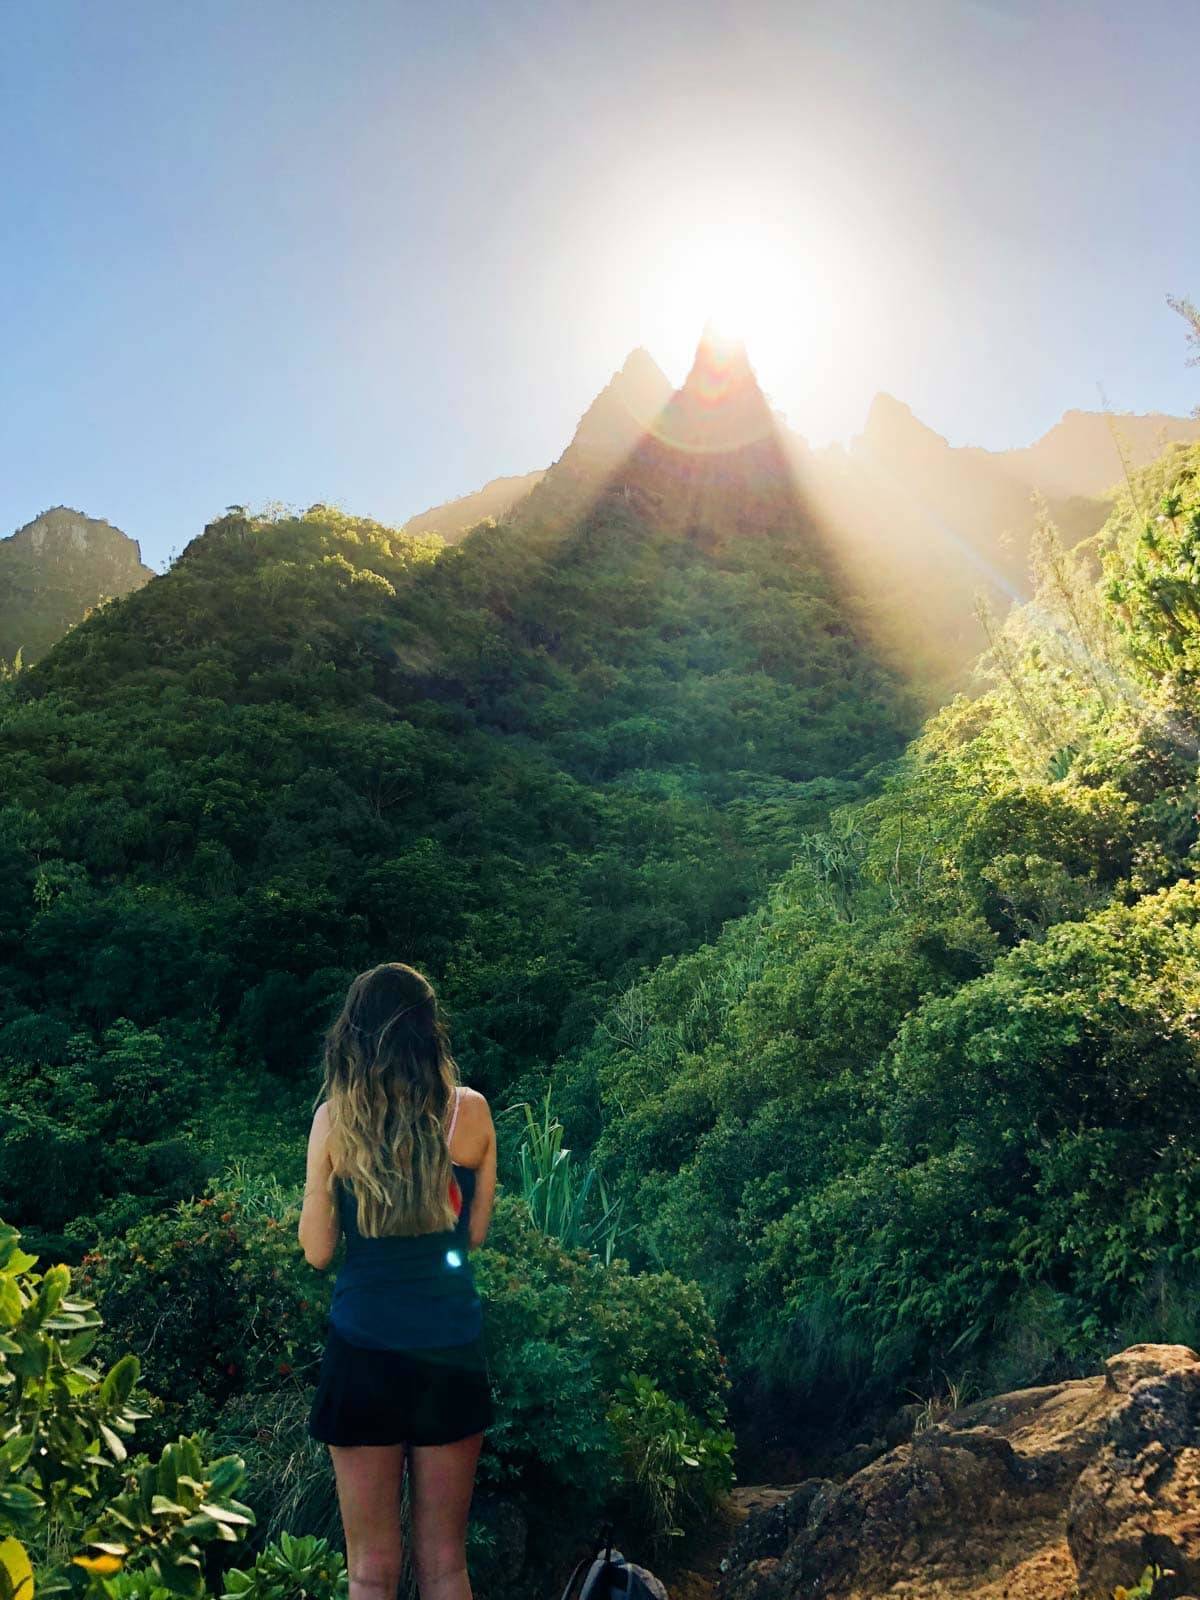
402,1162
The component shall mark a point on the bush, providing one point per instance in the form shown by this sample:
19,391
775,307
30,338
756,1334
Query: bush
215,1299
66,1481
565,1334
291,1569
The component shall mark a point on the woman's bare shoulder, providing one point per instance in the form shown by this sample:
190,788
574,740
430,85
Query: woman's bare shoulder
475,1135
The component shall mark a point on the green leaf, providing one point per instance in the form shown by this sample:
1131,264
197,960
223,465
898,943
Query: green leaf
15,1452
114,1442
19,1502
160,1506
225,1514
118,1385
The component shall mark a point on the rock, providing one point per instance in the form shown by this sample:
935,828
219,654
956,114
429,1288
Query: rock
899,1427
768,1530
1051,1493
859,1456
53,571
1138,1502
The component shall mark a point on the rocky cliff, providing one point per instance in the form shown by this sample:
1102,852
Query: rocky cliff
1063,1492
54,570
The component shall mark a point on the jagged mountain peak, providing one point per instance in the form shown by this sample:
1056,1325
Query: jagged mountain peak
720,407
625,407
640,366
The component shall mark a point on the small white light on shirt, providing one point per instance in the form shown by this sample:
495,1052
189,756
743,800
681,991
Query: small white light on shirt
453,1259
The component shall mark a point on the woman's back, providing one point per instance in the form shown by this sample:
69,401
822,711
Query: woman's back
408,1291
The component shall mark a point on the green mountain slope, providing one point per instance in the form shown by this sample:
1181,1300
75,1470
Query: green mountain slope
942,1087
533,763
919,528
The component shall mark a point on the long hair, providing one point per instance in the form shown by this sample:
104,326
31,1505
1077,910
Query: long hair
390,1080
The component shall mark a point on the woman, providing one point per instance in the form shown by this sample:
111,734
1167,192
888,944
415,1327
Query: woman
402,1161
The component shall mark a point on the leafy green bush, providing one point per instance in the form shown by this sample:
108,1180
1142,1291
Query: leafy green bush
65,1477
215,1299
564,1333
97,1128
291,1569
678,1470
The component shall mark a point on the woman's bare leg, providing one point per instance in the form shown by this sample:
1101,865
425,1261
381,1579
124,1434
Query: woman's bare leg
441,1481
369,1479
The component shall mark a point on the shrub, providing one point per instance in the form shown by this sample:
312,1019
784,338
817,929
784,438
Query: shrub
677,1469
215,1298
564,1335
65,1478
291,1569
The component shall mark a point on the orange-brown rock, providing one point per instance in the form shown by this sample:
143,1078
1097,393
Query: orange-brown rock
1053,1493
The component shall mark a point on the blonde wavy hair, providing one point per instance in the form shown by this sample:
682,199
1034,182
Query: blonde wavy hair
390,1081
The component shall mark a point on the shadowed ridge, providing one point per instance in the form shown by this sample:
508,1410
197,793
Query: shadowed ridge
716,462
720,407
607,432
54,570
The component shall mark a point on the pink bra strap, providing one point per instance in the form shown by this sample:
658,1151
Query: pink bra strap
454,1118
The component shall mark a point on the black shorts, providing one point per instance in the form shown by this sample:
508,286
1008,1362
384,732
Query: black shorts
400,1396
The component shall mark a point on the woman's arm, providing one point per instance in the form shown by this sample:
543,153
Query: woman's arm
319,1230
485,1177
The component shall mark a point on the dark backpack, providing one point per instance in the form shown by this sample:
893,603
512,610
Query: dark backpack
610,1577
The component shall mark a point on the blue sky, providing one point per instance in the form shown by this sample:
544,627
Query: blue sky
377,253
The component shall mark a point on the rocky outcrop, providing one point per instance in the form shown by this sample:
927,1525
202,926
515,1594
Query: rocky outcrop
456,518
54,570
1138,1503
1054,1493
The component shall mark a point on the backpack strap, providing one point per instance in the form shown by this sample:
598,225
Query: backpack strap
603,1543
584,1561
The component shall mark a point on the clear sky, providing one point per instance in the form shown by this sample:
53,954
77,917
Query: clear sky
376,252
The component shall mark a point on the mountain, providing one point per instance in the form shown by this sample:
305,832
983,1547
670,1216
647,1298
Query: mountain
610,428
1081,454
54,570
494,500
916,528
535,762
924,528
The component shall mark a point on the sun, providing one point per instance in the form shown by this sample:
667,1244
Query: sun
740,283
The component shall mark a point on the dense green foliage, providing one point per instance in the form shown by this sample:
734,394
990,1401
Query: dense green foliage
531,765
67,1481
940,1086
228,1323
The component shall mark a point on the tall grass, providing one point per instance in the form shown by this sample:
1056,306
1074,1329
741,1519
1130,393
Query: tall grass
567,1198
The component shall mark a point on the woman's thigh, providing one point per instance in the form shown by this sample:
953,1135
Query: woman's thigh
441,1481
369,1479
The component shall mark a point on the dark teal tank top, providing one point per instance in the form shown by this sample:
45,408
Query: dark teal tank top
412,1293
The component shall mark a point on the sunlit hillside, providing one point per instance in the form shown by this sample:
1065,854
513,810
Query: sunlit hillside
570,748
